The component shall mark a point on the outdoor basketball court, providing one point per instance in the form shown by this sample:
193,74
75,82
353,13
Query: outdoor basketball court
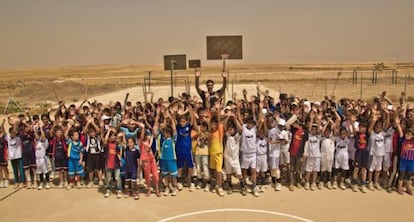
322,205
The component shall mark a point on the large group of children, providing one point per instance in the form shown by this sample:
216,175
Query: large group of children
244,144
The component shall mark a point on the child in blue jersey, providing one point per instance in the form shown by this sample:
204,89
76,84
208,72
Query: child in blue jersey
75,157
168,159
183,147
132,155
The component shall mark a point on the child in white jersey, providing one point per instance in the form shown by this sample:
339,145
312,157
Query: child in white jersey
278,138
41,145
341,158
248,149
231,154
327,157
261,157
377,151
313,156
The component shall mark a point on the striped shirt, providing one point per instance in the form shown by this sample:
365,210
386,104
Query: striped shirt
407,149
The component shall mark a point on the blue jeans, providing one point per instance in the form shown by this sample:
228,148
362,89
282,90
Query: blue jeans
117,175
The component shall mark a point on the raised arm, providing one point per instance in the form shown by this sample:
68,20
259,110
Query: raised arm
197,81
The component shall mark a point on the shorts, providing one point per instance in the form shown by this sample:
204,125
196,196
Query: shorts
261,163
327,160
406,166
284,158
361,159
61,164
4,163
94,162
131,176
29,160
185,158
376,163
274,163
216,162
41,165
341,159
232,166
313,164
168,167
74,167
248,161
387,161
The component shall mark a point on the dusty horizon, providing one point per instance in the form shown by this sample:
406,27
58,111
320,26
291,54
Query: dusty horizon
49,33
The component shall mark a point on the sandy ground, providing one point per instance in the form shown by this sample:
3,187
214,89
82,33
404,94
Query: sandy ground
85,204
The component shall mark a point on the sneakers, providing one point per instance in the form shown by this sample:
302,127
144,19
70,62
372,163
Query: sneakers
198,186
174,192
47,187
363,189
291,187
335,185
370,187
243,191
107,193
342,186
313,186
299,185
69,186
306,186
207,188
101,183
354,187
192,187
78,185
377,187
220,191
328,185
6,183
90,185
118,194
33,186
278,187
180,186
166,192
255,192
1,184
40,187
320,185
136,195
230,190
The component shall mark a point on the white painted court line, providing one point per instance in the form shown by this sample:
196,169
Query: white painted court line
235,210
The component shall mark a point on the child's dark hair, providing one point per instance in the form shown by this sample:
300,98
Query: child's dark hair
72,132
204,124
214,120
168,130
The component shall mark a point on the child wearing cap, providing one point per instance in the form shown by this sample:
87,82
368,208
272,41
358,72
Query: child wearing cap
278,137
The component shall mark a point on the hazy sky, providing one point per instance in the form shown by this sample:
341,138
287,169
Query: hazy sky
81,32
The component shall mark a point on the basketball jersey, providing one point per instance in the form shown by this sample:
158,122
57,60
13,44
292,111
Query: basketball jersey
248,144
261,146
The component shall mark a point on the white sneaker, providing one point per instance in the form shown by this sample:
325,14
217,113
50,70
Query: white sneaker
198,186
69,187
335,185
207,188
40,187
313,187
354,188
166,192
306,186
101,183
255,192
342,186
1,184
6,183
363,189
118,194
107,193
180,186
192,187
320,185
329,185
278,187
47,187
377,186
90,185
370,186
220,191
174,192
